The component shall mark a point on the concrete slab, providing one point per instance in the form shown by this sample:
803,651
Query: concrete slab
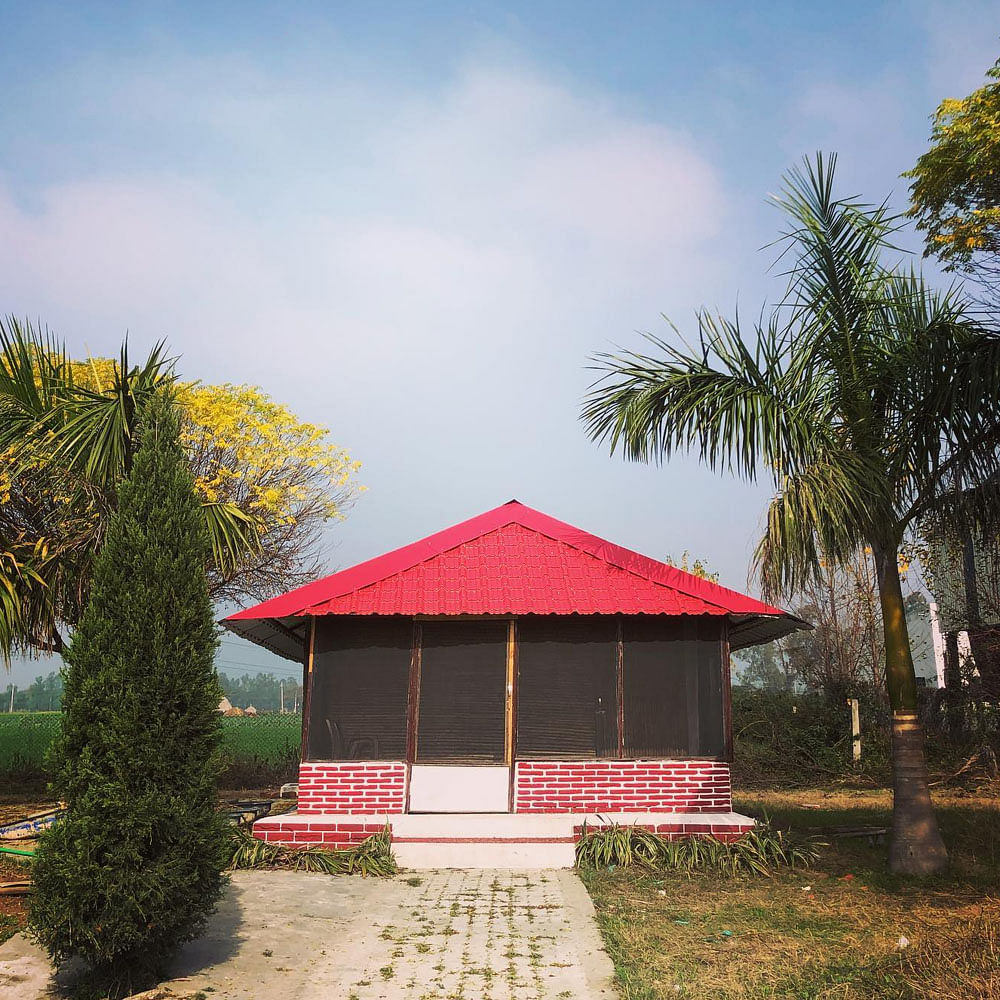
491,935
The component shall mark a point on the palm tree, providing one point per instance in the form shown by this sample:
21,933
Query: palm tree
872,401
65,446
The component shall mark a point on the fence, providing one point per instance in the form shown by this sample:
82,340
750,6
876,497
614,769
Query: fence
255,749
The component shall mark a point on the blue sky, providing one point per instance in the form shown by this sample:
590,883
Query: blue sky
415,225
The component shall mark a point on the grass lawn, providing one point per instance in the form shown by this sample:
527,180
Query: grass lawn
830,932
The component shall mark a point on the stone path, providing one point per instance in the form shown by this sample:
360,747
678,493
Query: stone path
429,935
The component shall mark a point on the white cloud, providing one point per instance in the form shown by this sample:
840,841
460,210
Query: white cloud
427,273
502,197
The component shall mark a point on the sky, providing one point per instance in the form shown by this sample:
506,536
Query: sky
416,223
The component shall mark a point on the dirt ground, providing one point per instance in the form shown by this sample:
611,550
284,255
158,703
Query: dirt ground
14,909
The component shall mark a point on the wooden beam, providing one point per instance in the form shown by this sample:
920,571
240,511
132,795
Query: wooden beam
291,633
307,683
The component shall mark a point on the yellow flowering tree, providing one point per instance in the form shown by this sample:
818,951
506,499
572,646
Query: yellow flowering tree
956,183
269,482
247,450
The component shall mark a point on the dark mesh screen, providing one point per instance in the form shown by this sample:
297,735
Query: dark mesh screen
673,688
567,679
359,689
463,680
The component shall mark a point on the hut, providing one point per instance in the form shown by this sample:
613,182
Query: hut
488,689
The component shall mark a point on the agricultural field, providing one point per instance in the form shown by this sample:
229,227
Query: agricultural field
256,749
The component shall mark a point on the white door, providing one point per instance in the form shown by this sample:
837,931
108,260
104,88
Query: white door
459,788
462,728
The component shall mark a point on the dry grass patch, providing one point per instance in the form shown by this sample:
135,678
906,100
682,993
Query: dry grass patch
834,932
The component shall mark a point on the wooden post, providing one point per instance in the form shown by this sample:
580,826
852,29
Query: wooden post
307,679
727,694
855,729
620,688
509,699
413,694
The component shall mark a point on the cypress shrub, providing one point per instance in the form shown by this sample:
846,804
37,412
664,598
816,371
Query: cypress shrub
135,868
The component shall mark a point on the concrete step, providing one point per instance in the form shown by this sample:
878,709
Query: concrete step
477,840
476,826
484,854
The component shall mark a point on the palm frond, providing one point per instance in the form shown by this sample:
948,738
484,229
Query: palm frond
235,535
34,368
25,598
94,432
739,408
825,512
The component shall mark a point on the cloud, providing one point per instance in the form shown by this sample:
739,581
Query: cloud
426,271
503,196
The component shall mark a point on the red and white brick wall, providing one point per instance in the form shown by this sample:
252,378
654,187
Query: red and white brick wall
710,827
298,831
586,786
370,786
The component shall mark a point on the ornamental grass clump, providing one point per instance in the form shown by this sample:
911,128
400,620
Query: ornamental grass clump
758,852
135,867
373,856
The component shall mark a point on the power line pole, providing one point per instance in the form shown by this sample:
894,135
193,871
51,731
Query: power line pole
12,690
281,695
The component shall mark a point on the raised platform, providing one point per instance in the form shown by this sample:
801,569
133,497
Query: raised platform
485,840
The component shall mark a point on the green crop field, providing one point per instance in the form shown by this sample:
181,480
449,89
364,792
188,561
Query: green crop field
24,739
262,745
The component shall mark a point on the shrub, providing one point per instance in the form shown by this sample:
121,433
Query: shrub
805,739
135,867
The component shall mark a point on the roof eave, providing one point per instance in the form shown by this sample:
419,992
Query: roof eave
285,637
756,630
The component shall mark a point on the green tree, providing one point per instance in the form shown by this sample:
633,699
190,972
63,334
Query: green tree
870,400
264,691
956,184
134,869
268,483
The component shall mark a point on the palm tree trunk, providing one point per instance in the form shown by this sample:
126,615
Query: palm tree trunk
915,847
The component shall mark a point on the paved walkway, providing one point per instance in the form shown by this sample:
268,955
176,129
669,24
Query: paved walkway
430,935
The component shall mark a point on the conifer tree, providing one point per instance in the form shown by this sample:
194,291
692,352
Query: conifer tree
134,869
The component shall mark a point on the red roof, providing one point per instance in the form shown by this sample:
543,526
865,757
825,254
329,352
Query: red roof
510,560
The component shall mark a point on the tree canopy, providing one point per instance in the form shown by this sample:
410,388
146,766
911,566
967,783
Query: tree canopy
268,482
956,183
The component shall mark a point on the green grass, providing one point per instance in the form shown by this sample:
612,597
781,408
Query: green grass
263,746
